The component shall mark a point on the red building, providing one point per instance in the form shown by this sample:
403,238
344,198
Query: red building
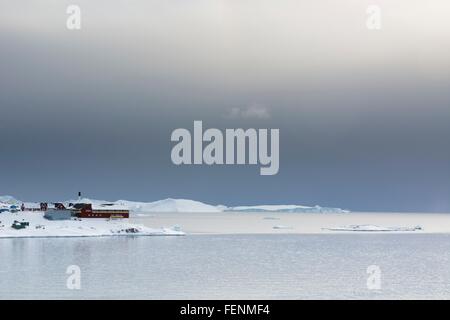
107,210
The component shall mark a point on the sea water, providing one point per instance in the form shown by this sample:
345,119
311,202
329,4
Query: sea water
228,267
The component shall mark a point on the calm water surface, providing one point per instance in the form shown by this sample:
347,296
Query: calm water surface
228,266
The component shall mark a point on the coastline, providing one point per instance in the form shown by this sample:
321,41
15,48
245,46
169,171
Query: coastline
40,227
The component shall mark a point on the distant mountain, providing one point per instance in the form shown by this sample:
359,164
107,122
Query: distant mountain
184,205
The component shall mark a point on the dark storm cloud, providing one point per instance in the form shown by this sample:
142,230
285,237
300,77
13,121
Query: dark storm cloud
364,117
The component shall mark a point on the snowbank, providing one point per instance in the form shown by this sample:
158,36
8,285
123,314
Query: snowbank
41,227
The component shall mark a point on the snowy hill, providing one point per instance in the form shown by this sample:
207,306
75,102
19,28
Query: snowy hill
169,205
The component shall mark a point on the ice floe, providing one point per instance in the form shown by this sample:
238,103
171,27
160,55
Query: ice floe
371,227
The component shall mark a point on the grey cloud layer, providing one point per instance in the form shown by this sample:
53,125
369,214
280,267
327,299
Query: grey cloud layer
363,115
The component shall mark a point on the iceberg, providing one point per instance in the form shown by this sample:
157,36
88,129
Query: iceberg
280,227
287,208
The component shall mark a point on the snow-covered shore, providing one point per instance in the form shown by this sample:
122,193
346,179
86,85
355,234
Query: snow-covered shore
227,223
41,227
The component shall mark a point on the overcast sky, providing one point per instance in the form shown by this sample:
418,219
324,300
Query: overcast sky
364,115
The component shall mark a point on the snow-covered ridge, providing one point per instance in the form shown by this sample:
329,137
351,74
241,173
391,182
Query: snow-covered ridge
185,205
